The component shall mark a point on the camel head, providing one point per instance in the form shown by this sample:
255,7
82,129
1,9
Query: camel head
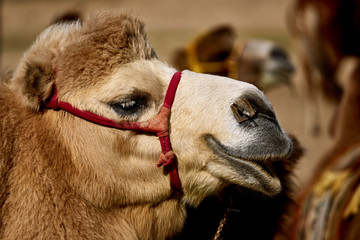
220,51
112,71
262,63
223,132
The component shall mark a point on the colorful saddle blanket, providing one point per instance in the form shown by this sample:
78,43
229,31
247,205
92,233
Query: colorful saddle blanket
334,201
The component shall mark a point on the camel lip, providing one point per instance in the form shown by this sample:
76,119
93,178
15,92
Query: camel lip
221,150
261,170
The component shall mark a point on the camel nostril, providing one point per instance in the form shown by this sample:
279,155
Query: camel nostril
250,107
243,110
278,53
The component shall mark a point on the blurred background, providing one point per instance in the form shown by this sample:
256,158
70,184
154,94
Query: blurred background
173,23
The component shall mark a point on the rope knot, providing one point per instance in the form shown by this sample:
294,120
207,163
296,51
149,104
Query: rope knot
166,159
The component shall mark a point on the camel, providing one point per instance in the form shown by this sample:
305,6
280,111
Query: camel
220,51
325,33
329,208
81,119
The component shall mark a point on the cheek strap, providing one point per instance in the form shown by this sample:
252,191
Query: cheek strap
159,126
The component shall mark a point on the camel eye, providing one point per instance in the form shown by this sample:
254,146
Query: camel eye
278,53
130,106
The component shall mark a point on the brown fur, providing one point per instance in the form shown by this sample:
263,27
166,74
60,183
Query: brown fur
36,176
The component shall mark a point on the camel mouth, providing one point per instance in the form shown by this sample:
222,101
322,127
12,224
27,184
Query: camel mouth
254,173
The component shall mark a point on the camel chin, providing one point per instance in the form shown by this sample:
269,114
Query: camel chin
250,164
243,170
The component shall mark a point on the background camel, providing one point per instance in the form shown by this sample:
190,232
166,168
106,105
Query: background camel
329,208
65,177
220,51
327,35
324,32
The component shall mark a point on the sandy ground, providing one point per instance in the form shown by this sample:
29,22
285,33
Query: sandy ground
170,24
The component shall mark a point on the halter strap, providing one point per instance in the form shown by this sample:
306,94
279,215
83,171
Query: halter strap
159,126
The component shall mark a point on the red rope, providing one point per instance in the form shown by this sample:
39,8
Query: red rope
158,125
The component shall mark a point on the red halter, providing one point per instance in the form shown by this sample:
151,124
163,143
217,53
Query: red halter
158,125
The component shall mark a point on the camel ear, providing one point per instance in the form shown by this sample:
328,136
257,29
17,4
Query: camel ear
35,75
35,81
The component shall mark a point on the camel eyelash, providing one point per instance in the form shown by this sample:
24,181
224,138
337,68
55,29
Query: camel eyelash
130,105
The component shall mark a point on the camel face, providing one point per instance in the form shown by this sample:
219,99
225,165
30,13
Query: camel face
264,60
214,147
